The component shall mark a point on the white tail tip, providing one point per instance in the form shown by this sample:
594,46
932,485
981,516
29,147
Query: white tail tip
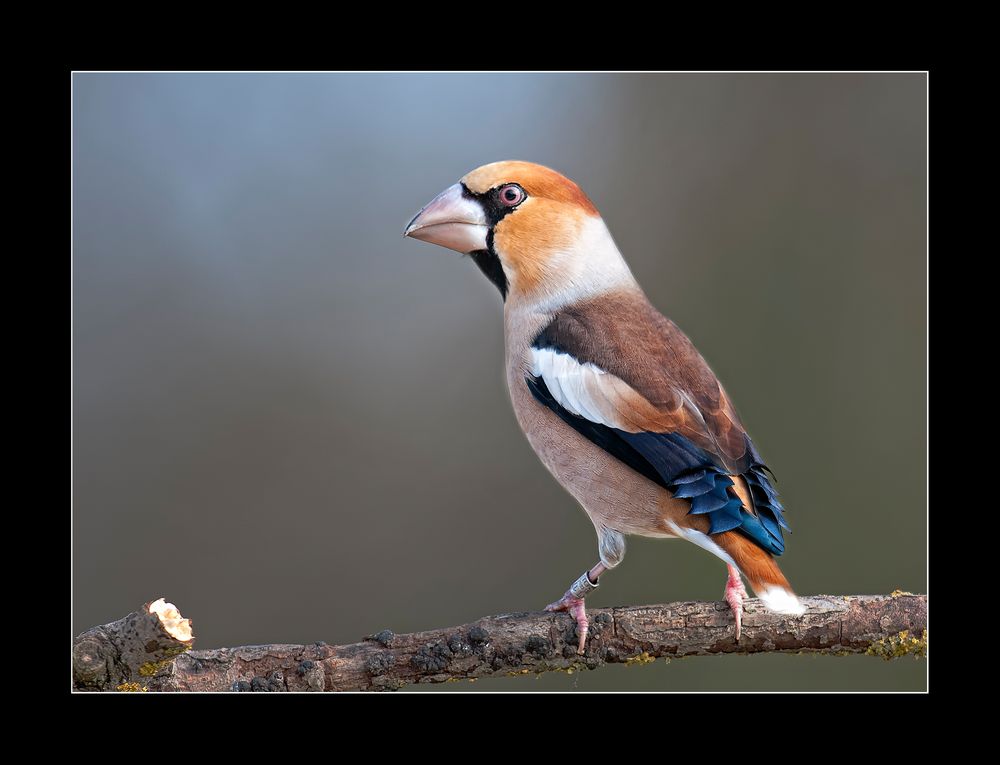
782,601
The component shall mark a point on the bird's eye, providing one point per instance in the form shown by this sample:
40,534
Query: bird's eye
511,195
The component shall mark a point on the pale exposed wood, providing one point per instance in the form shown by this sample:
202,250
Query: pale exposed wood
129,651
529,643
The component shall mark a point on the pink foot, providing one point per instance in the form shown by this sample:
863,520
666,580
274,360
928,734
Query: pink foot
735,595
576,609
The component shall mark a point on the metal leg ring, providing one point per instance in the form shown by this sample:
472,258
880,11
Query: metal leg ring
582,587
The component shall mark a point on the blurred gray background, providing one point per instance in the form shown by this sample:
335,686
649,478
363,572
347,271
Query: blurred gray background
293,423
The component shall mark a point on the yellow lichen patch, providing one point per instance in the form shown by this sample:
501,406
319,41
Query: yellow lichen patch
568,670
131,688
642,658
897,593
903,644
151,668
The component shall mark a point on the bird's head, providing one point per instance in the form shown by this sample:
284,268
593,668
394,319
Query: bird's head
531,230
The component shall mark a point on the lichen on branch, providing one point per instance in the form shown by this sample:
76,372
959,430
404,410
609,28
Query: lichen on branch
507,644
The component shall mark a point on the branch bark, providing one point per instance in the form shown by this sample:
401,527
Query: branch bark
116,656
508,644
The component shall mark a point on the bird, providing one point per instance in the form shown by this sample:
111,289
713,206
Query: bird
613,397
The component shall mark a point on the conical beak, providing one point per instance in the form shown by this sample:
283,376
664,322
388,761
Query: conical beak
451,220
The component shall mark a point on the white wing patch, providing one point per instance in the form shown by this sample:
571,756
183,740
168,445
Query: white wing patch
576,386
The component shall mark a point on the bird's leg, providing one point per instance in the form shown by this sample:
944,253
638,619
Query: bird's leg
572,601
735,595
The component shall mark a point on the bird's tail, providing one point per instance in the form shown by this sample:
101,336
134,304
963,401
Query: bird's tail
760,569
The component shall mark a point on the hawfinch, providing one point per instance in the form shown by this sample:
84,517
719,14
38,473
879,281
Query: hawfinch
613,397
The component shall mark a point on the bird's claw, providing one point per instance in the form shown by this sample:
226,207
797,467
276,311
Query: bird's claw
576,609
735,595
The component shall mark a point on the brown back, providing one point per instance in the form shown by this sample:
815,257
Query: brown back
622,333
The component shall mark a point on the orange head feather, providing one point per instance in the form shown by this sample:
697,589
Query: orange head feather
546,223
531,230
537,180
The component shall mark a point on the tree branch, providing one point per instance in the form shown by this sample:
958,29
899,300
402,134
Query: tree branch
119,656
136,647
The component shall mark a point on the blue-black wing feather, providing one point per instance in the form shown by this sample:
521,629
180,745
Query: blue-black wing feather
688,471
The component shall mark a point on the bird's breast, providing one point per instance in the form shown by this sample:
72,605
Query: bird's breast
610,492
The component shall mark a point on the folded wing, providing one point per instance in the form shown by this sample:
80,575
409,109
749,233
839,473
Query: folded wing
628,379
